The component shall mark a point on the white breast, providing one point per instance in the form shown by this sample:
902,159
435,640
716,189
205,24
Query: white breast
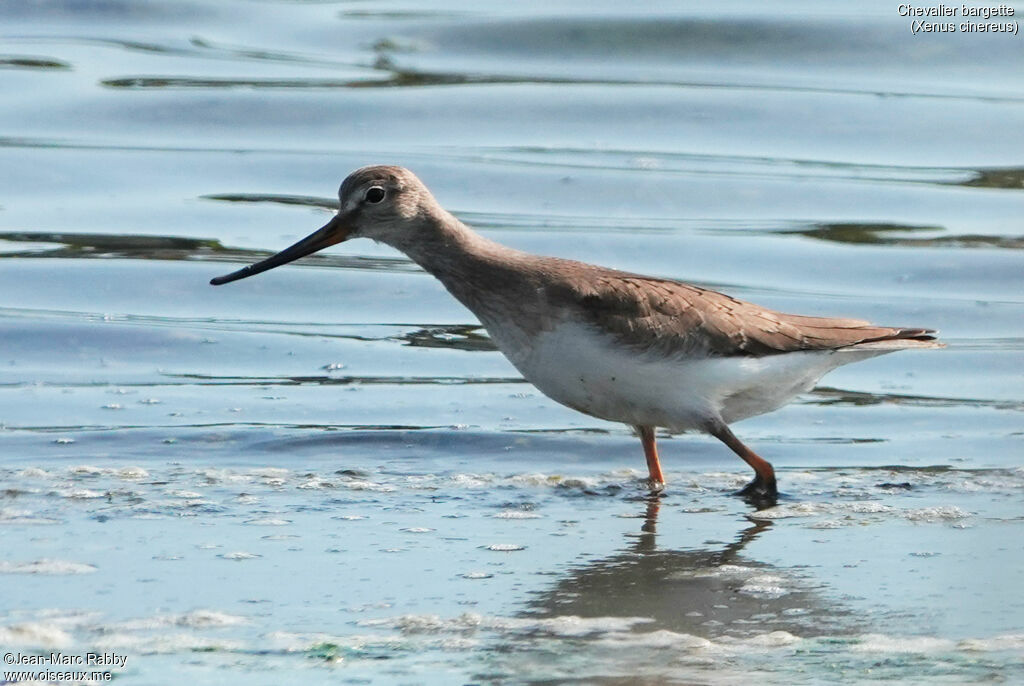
577,366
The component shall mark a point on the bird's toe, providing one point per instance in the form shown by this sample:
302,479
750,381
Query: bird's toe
760,493
655,487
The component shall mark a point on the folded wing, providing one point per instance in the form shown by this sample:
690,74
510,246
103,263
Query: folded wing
676,318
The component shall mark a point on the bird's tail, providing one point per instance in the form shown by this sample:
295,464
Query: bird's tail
901,339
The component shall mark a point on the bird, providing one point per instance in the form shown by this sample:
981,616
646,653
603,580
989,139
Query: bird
645,351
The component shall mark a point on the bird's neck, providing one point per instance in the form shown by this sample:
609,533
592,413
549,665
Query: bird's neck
474,269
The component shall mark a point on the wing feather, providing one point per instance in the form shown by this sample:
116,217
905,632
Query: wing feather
673,317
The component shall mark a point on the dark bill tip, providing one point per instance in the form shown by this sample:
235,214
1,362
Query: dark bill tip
233,276
335,231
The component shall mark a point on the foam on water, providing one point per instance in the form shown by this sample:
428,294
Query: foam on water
560,627
18,517
609,645
196,619
268,521
58,567
715,587
516,514
40,635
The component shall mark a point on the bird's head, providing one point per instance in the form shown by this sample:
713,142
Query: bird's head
380,202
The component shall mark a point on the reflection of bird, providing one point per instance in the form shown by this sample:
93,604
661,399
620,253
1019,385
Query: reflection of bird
646,351
708,591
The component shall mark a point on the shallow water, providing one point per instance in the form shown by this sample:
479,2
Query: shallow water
327,474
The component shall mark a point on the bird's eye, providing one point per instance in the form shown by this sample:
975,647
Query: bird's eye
375,194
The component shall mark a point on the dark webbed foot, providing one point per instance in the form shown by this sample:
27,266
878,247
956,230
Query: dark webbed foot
761,493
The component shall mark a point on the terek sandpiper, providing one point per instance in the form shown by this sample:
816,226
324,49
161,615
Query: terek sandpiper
646,351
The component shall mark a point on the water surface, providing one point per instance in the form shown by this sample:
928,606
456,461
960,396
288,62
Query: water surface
327,474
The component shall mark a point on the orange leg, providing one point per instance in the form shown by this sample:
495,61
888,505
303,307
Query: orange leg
651,453
763,484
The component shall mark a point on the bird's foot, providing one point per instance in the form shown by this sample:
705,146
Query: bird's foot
655,488
761,493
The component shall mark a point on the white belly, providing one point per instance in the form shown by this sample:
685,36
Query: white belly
576,366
